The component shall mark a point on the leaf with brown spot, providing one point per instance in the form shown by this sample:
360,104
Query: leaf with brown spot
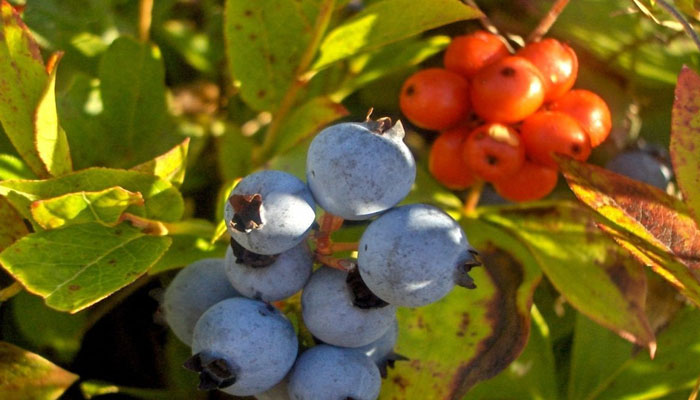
685,138
23,80
584,265
470,335
655,227
25,375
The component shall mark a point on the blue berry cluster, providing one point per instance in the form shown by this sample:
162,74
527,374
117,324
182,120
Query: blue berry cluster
408,256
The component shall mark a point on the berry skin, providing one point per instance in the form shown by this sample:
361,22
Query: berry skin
278,392
253,341
493,151
380,349
507,91
284,277
467,54
326,372
558,64
413,255
358,170
435,98
277,220
547,132
329,314
641,166
445,161
531,182
591,112
195,288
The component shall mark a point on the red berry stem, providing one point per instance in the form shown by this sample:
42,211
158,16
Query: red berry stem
344,246
687,27
342,264
473,196
488,25
145,19
547,21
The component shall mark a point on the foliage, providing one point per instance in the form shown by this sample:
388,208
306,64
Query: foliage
119,144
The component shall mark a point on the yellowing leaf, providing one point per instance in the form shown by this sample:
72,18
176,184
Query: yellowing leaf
170,165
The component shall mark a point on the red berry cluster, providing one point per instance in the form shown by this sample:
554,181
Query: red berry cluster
502,116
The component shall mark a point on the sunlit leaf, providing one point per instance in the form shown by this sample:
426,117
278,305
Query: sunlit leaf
685,138
12,227
79,265
654,226
170,165
307,120
25,375
388,21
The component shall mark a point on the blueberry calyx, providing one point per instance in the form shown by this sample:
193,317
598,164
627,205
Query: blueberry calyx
462,277
389,361
362,297
246,208
249,258
213,373
384,125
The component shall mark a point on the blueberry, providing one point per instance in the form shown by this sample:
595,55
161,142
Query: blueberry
195,288
378,350
413,255
641,166
270,212
330,315
332,373
286,275
243,347
357,170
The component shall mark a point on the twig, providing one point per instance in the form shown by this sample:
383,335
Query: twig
687,27
301,78
8,292
547,22
473,196
488,25
696,389
145,19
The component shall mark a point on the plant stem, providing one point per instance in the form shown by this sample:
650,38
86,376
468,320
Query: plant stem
8,292
547,22
145,17
682,20
344,246
696,389
301,78
472,199
488,25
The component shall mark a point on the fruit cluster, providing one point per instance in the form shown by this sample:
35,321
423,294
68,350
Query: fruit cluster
502,116
410,256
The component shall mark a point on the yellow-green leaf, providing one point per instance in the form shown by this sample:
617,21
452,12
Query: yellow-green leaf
170,165
12,227
23,80
28,376
105,207
307,120
49,138
685,138
387,21
78,265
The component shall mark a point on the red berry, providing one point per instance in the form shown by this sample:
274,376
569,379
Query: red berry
557,62
507,91
547,132
590,110
493,151
531,182
445,160
435,98
467,54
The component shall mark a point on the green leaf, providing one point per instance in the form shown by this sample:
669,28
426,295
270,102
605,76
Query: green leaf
531,376
234,153
23,80
264,44
25,375
585,266
192,44
12,227
105,207
390,59
170,166
162,201
47,330
132,85
187,249
652,225
470,335
388,21
95,388
675,367
79,265
685,138
12,167
307,120
49,138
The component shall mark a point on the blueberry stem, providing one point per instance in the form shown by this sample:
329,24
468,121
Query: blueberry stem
342,264
473,196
